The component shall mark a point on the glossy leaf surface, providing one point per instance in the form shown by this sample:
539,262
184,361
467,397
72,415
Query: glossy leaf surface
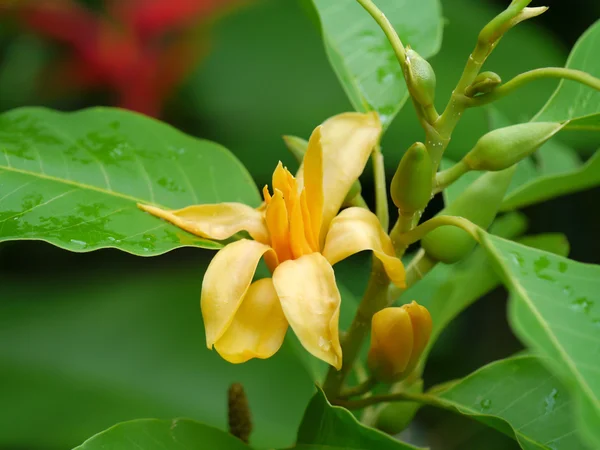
575,101
73,179
79,354
519,397
326,427
362,56
545,187
154,434
554,310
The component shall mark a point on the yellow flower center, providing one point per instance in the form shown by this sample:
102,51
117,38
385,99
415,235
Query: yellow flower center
288,218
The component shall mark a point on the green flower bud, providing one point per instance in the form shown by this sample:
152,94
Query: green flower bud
398,337
413,181
479,203
297,147
504,147
484,82
420,78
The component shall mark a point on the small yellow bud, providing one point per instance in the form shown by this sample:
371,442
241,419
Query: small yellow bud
398,337
420,78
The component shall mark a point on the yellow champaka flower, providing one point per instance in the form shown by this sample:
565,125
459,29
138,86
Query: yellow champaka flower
300,235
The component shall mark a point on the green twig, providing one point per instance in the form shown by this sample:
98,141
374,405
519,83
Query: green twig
387,28
446,177
360,389
387,398
532,75
381,200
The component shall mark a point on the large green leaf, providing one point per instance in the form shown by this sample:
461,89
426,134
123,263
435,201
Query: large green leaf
81,353
552,310
574,101
363,58
554,185
326,427
154,434
519,397
74,179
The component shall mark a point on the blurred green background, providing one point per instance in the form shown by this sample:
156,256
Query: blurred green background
87,340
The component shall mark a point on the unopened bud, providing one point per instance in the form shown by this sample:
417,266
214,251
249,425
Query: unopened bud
398,337
484,83
501,148
412,183
420,78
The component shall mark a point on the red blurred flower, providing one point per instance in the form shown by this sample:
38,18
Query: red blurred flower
139,49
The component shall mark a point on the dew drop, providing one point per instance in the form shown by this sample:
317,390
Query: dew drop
324,344
567,290
550,401
540,265
596,323
80,243
486,403
111,239
582,304
518,259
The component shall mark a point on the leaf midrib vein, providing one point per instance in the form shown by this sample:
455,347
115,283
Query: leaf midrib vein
79,185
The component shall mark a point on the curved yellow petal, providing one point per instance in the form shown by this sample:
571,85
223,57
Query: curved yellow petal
225,284
311,303
358,229
258,327
215,221
346,143
313,183
278,224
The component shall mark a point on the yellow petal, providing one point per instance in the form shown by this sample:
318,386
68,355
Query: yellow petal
278,225
346,143
258,328
311,303
215,221
226,281
357,229
313,183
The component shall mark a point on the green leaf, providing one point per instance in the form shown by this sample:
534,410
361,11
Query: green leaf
519,397
554,185
575,101
326,427
552,310
363,58
73,179
81,353
154,434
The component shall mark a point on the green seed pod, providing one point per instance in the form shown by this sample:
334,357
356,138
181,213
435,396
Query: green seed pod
420,78
297,147
413,181
504,147
479,203
484,82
